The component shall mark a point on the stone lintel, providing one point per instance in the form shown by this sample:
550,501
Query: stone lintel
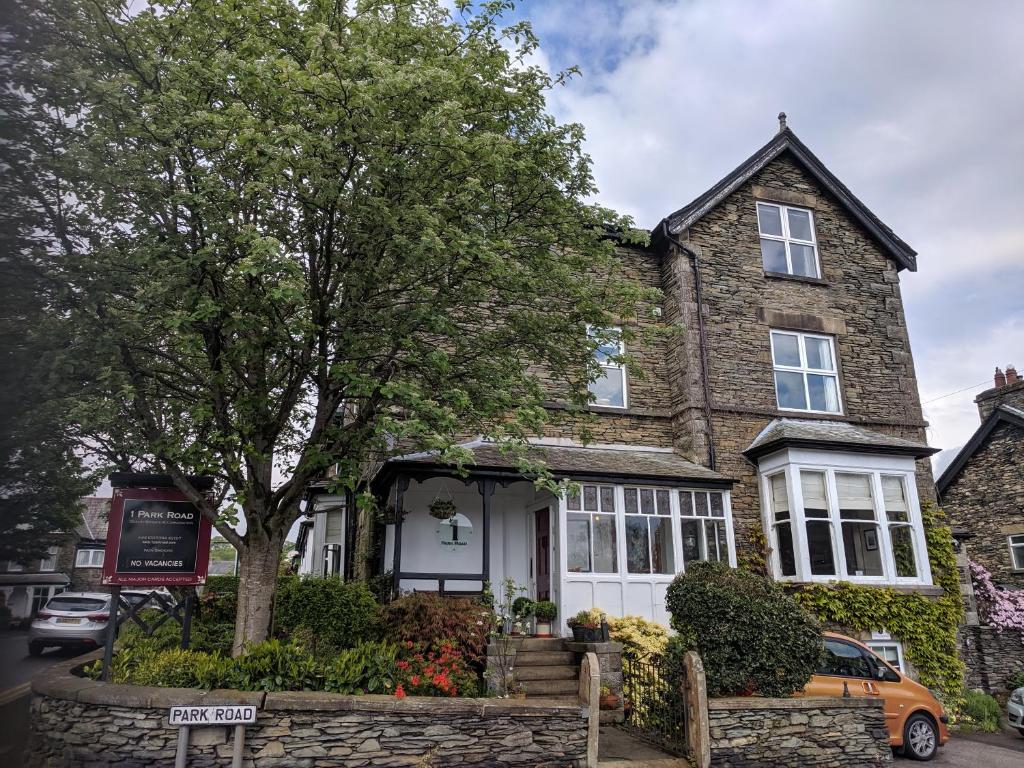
777,195
802,321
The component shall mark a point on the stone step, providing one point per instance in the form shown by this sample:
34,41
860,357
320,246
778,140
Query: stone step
548,688
547,658
542,672
542,644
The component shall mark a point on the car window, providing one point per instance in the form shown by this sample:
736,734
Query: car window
76,604
845,660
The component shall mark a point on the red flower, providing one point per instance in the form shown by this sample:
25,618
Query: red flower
408,643
399,691
415,679
403,665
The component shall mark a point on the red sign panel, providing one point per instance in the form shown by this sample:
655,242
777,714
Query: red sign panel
155,537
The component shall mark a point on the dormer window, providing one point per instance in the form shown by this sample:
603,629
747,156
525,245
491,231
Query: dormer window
609,389
788,245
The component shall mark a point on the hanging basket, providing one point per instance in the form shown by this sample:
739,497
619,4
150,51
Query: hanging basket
442,509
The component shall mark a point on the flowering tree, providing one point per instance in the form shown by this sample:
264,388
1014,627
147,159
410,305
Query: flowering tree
997,607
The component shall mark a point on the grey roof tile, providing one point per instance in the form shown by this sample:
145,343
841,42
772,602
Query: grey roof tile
830,434
95,511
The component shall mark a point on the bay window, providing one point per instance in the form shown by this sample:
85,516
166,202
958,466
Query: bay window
843,520
649,531
702,516
590,530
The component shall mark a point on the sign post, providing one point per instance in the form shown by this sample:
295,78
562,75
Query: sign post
189,717
156,537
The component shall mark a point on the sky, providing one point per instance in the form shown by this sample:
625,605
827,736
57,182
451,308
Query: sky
916,105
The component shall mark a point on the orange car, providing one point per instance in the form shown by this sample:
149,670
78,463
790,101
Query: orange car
916,720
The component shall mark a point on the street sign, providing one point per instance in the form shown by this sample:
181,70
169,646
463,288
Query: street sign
225,715
155,537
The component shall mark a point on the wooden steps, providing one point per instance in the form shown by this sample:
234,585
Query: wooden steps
544,668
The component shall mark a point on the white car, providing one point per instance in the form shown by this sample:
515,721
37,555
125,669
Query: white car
76,619
1015,710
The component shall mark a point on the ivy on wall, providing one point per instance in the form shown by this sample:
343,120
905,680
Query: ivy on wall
926,626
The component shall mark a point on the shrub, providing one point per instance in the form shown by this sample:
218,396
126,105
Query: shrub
174,668
750,634
1016,680
980,711
367,668
434,669
589,618
208,637
639,637
545,610
274,665
423,617
219,601
337,614
522,607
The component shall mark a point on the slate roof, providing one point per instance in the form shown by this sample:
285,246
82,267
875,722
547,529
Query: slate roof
576,462
94,518
786,141
1003,414
834,435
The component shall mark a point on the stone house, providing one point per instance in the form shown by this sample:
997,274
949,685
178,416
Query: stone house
780,423
74,563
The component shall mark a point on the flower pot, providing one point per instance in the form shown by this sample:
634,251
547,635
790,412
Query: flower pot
609,701
587,634
543,628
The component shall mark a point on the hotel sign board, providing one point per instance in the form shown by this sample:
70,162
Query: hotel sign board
155,537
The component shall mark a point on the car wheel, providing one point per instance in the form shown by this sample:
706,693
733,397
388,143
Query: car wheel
920,738
1020,731
35,649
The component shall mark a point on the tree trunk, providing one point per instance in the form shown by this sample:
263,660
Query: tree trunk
258,566
363,550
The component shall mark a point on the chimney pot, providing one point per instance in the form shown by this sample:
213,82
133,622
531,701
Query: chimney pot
1011,374
1000,379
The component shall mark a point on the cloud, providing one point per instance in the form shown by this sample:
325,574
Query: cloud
916,106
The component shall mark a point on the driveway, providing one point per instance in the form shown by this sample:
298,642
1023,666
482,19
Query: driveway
978,750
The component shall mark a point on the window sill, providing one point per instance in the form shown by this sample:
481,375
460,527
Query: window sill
796,278
816,415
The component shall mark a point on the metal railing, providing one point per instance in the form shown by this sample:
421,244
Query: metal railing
654,692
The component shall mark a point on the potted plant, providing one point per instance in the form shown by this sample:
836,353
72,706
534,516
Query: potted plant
442,509
608,700
586,627
544,611
522,610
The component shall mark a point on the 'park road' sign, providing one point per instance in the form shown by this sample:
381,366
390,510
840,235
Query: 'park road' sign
230,714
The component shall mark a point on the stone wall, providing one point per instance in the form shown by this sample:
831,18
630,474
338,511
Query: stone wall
750,732
987,500
78,722
991,656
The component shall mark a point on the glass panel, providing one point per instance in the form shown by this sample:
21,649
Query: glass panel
888,652
903,551
661,545
769,219
578,543
664,508
786,349
1018,557
607,498
611,347
844,660
691,540
76,604
590,498
824,393
819,548
638,556
773,256
819,353
701,501
780,497
895,498
605,557
789,387
609,389
647,501
716,544
572,500
856,501
802,257
717,506
813,486
686,503
631,507
787,558
863,555
799,224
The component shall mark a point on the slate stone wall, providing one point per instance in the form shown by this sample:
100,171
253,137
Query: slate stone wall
79,722
830,733
991,656
987,500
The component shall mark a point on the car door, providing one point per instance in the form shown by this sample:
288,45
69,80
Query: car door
845,669
899,699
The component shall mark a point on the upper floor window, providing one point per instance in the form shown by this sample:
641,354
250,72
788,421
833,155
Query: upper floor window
805,372
1017,551
609,389
49,563
89,558
787,240
12,566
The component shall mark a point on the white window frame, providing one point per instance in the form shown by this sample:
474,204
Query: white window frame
876,647
88,561
792,461
787,238
647,518
616,513
1019,544
13,566
49,563
803,369
610,369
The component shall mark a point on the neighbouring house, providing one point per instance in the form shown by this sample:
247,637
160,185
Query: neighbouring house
982,492
781,422
74,562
